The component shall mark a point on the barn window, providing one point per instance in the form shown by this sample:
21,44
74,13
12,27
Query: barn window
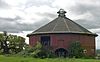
45,40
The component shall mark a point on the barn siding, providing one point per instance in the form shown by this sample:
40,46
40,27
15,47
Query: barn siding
63,41
33,40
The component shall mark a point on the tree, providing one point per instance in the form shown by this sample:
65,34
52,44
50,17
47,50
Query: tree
1,42
3,39
16,43
75,50
11,43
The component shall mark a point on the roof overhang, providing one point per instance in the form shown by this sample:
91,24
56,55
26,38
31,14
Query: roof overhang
81,33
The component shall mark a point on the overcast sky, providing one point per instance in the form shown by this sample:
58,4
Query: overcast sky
24,16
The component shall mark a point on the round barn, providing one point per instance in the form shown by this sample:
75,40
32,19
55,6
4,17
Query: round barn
59,33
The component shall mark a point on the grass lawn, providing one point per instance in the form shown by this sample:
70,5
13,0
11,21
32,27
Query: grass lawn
21,59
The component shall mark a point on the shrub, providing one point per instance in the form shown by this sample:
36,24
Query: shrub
41,52
75,50
98,56
38,51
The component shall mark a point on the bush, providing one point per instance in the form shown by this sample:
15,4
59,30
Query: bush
38,51
98,56
23,54
42,52
75,50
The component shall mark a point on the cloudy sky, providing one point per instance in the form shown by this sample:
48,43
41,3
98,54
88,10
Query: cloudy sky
24,16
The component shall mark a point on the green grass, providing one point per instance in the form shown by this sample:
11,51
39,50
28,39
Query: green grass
22,59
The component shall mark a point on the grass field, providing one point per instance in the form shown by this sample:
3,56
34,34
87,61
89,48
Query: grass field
21,59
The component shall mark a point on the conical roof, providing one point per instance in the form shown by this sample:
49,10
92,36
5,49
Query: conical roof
61,24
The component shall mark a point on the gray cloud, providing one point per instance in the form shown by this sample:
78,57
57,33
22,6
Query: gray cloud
33,26
89,23
3,4
12,25
38,3
82,8
47,15
10,19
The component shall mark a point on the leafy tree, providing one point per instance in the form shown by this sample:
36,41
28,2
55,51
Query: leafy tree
16,43
75,50
11,43
3,40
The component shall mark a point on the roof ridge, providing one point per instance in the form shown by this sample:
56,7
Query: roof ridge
55,26
66,25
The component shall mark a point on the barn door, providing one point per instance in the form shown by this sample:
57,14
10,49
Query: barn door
45,40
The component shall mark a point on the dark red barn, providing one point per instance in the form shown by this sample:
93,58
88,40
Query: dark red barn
58,34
